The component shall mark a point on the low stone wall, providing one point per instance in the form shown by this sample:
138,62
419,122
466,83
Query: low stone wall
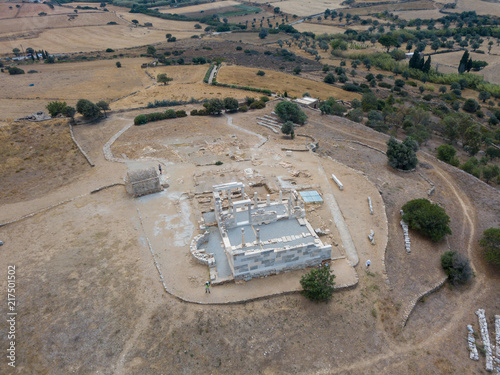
413,303
79,147
199,254
472,344
269,262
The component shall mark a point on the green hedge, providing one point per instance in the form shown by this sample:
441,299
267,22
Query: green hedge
158,116
254,89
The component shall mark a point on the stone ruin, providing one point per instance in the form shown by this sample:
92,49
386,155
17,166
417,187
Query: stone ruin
142,182
37,116
262,238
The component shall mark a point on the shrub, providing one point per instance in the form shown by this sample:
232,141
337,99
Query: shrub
180,113
457,267
352,87
56,108
329,78
427,218
471,167
427,97
411,83
385,85
243,108
401,155
118,64
110,50
490,243
447,153
259,104
87,109
218,162
261,73
140,120
355,115
470,106
15,70
318,284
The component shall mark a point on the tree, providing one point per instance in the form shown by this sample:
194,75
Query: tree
214,106
231,104
369,101
288,111
151,50
388,41
401,155
318,284
261,73
163,78
87,109
263,33
457,267
435,45
16,51
490,172
427,218
118,64
472,140
70,112
447,153
288,128
103,106
56,108
465,61
329,78
427,66
490,243
470,106
297,69
484,95
135,22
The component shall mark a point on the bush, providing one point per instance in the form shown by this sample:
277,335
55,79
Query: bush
140,120
243,108
401,155
118,64
355,115
352,87
15,70
87,109
427,218
318,284
180,113
447,153
490,243
259,104
261,73
329,78
457,267
471,167
385,85
470,106
56,108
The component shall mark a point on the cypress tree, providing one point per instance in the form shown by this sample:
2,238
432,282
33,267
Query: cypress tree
464,61
427,66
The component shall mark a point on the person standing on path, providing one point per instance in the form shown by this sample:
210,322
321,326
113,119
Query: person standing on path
368,263
207,287
159,168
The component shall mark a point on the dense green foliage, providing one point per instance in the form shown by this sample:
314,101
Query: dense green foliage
88,110
427,218
401,155
288,128
318,284
447,153
288,111
490,242
457,267
56,108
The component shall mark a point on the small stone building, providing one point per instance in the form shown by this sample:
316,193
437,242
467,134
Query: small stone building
142,182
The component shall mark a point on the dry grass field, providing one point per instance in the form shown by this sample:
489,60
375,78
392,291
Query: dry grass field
281,82
318,28
422,14
250,38
478,6
307,7
411,5
32,150
94,80
187,83
29,10
199,8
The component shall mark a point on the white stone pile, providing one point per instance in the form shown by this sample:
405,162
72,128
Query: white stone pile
472,344
371,236
270,123
406,234
497,344
370,205
483,326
